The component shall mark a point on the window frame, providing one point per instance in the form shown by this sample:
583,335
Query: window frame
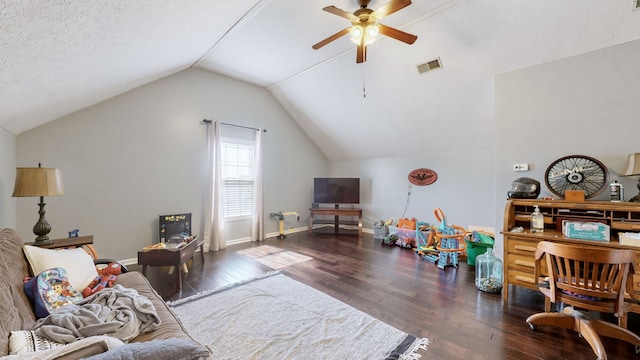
225,141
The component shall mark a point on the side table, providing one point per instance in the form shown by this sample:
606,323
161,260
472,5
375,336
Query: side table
171,257
85,242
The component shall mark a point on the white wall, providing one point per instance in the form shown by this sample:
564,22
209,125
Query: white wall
7,179
464,189
587,105
142,154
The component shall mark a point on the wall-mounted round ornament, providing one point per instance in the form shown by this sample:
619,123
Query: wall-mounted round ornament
422,177
577,172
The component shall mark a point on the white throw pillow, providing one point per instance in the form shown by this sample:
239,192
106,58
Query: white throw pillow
79,265
26,341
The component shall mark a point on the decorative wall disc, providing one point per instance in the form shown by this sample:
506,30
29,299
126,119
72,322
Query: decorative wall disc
577,172
422,177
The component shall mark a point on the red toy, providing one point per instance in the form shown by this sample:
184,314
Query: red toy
106,277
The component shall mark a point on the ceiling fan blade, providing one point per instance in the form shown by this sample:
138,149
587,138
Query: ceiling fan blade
389,8
397,34
361,55
334,10
331,38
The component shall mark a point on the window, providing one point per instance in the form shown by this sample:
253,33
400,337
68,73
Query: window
237,177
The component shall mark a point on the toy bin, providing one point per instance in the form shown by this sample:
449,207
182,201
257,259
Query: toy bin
380,231
477,246
406,237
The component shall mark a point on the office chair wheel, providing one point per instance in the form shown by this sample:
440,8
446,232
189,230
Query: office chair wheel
637,349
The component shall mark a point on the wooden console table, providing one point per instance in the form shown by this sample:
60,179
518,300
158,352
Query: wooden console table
336,213
520,247
171,257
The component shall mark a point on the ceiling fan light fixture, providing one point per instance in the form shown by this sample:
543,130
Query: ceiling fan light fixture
356,34
364,29
369,32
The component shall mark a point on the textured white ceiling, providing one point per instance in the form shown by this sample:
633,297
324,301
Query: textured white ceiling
57,57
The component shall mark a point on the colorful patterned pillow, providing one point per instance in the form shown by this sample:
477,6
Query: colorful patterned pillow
49,291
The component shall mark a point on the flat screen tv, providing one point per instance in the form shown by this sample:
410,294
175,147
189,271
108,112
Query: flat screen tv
333,190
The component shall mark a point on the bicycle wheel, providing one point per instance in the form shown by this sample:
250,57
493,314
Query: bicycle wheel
577,172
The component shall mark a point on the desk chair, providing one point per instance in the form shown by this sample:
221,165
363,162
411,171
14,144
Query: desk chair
588,278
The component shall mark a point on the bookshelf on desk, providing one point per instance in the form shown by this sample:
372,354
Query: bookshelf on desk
520,247
338,219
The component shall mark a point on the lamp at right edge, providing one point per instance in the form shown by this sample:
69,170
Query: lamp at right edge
633,168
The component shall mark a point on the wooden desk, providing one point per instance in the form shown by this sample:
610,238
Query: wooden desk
336,213
519,247
170,257
85,242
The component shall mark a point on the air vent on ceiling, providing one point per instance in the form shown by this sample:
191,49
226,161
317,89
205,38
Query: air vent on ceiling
431,65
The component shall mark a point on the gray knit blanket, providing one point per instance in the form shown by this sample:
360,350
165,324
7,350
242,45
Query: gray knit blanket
117,311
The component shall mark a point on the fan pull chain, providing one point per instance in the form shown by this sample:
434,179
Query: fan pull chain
364,88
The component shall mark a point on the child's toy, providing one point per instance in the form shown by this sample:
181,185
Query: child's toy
425,247
421,241
106,277
390,240
280,215
405,223
444,242
449,240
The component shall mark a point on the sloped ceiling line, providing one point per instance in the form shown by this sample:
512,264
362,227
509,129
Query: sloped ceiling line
255,10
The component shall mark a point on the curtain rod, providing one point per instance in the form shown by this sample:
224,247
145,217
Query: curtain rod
207,121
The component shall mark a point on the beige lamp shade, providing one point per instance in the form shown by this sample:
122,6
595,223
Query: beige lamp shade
31,182
633,165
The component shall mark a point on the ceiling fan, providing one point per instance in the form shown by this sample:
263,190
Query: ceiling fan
365,28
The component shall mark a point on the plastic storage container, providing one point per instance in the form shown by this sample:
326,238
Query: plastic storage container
406,236
489,273
474,250
478,245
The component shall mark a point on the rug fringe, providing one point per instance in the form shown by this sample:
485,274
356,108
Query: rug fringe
211,291
411,353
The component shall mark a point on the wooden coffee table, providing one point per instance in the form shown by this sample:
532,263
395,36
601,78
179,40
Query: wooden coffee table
171,257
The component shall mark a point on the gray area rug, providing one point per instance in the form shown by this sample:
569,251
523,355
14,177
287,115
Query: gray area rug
276,317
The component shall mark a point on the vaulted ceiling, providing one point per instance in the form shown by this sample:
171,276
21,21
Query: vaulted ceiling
57,57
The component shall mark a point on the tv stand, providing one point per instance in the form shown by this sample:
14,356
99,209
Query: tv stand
336,212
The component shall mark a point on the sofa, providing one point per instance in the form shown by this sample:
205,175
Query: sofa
169,340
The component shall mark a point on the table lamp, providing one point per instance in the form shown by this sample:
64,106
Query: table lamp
33,182
633,168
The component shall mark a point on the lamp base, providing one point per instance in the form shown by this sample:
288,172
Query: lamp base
635,198
42,240
42,227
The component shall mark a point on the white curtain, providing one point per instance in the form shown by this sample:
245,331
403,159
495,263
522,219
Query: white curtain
257,224
214,238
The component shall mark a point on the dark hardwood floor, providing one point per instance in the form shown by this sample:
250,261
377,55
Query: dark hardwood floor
396,286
